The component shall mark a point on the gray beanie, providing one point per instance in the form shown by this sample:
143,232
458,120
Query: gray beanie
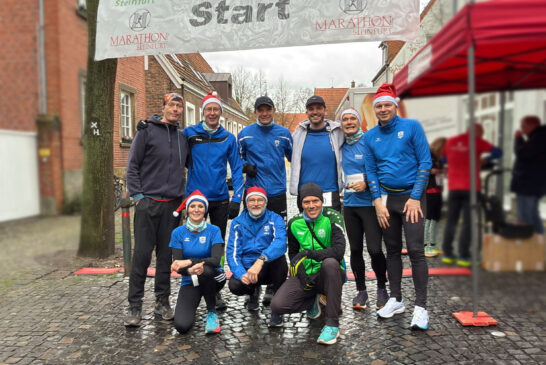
310,189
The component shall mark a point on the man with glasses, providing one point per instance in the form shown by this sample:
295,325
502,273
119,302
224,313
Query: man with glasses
255,250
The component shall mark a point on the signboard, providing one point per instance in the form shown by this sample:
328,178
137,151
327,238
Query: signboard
146,27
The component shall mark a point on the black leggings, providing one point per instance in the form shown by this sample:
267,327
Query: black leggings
189,297
360,221
415,243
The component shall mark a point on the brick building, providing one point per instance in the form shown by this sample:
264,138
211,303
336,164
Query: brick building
42,105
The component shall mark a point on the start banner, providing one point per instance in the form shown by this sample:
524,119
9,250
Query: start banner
147,27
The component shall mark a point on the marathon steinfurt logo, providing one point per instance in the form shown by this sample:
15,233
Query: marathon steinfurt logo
202,239
140,20
400,134
352,6
321,233
277,143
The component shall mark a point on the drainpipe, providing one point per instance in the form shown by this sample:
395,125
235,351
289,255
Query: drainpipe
42,60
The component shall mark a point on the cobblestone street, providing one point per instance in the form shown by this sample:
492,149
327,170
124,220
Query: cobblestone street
62,318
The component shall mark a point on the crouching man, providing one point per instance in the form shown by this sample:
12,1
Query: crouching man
255,251
316,245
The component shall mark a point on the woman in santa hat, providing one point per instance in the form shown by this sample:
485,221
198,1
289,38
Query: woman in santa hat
198,250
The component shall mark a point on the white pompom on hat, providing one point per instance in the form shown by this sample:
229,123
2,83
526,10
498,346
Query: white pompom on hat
211,97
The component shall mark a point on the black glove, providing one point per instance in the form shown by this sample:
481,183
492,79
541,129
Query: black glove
250,170
141,125
298,257
233,209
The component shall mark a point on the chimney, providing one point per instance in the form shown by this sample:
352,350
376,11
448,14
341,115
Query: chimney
353,84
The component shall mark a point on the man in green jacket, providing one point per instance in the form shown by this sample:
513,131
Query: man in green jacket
316,245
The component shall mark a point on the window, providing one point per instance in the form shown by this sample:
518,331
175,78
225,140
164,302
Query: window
190,114
127,113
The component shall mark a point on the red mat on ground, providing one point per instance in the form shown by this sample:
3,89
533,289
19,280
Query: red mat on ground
96,271
482,319
437,271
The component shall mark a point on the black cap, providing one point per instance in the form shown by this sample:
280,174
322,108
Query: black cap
315,99
310,189
263,100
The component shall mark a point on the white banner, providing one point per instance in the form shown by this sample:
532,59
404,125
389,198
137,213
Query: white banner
146,27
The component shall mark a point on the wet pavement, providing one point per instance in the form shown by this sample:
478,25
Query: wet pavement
60,318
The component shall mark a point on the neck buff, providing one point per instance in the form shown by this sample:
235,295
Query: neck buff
196,227
307,219
354,138
208,129
265,125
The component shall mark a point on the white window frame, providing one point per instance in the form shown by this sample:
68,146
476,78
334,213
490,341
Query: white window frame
190,114
126,113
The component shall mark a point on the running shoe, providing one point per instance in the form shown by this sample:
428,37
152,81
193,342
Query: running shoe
315,311
420,319
328,335
361,299
212,325
391,308
382,297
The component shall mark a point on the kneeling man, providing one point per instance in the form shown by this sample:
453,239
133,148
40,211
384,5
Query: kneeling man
316,245
255,250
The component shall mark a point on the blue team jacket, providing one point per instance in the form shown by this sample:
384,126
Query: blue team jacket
207,164
249,238
397,156
353,163
266,148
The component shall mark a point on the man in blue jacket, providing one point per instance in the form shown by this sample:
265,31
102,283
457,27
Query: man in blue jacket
211,148
255,250
263,147
156,181
398,162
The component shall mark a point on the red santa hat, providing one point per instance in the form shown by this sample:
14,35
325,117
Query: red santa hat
386,92
256,191
195,196
211,97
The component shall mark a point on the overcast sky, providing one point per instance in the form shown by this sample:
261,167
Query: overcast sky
333,65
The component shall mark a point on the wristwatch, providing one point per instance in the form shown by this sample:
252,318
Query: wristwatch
263,258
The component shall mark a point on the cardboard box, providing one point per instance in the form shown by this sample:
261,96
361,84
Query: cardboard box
503,254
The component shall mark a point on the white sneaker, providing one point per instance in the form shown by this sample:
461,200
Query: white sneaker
420,319
391,308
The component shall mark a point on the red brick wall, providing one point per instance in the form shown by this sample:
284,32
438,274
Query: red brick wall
66,55
19,65
130,73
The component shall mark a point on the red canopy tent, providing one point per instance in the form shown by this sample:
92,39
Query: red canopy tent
489,46
510,51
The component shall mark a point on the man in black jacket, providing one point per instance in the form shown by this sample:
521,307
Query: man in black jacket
156,181
529,173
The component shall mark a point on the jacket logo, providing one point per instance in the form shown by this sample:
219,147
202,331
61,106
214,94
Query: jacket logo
187,239
378,139
358,157
300,233
400,134
277,143
321,233
202,239
266,230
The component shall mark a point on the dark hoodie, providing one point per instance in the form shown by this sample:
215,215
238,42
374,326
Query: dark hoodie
529,173
156,166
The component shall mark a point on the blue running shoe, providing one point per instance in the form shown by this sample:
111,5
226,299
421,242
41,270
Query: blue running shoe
328,335
212,324
314,312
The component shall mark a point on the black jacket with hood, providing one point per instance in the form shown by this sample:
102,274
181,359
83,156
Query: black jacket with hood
157,161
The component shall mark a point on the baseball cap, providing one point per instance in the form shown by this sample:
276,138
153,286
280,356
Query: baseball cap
315,99
263,100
